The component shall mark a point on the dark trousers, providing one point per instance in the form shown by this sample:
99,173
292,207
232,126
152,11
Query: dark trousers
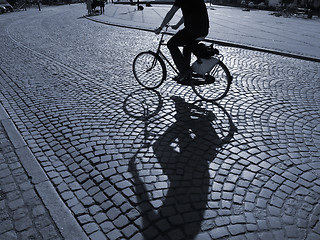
185,38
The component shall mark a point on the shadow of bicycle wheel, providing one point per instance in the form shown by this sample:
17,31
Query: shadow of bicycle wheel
143,104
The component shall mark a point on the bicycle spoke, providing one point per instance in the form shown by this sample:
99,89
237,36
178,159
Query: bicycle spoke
149,70
215,85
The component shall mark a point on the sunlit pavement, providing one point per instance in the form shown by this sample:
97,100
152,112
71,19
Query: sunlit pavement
135,164
259,29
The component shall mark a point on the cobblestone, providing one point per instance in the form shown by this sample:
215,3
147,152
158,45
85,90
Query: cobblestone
124,177
21,208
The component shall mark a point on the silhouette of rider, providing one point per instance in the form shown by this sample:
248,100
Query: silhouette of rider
196,24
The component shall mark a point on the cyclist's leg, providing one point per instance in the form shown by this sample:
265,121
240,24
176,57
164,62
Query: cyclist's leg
181,38
193,46
188,49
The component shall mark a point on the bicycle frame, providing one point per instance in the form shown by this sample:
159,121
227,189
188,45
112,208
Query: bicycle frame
211,81
160,54
163,57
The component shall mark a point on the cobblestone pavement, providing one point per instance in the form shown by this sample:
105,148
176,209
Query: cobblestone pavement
137,164
22,215
256,28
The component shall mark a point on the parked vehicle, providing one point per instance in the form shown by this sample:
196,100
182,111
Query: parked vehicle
2,9
252,5
262,6
6,5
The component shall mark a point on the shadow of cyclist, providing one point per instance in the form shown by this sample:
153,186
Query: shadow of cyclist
184,152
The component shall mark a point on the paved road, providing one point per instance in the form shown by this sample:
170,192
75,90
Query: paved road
257,28
23,215
245,168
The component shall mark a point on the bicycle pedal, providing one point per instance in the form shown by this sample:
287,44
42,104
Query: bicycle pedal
196,75
185,82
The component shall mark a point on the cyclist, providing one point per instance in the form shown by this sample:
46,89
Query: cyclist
196,24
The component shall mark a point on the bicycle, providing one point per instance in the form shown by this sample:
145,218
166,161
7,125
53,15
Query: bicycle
213,84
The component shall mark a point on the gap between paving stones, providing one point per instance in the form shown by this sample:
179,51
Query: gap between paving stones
222,43
265,195
66,223
59,64
42,187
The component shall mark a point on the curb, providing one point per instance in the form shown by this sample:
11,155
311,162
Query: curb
61,215
222,43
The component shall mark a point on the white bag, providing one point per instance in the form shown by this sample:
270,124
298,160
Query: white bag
204,65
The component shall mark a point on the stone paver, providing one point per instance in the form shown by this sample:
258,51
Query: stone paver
249,172
23,214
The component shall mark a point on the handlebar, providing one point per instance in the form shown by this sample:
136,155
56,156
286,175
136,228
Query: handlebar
164,29
168,26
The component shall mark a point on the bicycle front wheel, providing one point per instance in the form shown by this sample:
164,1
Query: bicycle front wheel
149,70
214,85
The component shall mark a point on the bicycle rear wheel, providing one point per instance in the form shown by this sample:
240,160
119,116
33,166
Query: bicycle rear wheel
149,70
215,85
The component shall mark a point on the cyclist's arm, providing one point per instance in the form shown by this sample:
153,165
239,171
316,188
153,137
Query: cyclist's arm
167,18
178,24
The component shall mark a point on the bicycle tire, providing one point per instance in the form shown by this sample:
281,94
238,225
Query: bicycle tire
143,104
216,87
149,70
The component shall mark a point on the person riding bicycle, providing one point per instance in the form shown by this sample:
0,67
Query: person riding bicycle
196,24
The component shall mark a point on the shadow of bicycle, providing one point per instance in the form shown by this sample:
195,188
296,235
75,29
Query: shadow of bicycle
173,207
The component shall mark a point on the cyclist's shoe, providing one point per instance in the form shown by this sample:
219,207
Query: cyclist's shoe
186,81
182,76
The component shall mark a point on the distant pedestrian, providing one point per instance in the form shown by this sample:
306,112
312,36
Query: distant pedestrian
25,5
89,6
38,3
